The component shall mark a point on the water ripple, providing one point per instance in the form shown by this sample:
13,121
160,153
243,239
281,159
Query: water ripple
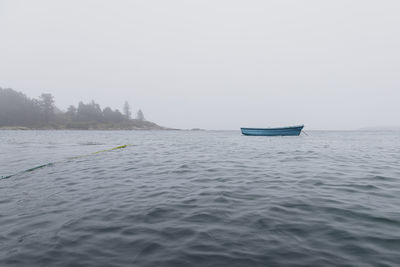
200,199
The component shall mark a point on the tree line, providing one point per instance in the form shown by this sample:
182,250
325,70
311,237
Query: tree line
16,109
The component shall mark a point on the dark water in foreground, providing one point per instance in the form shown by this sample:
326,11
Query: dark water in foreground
200,199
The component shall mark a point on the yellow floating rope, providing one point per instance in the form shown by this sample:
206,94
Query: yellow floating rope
106,150
52,163
118,147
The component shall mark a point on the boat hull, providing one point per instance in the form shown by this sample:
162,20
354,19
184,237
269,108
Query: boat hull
283,131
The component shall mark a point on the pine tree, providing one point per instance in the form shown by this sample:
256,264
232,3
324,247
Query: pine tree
47,103
127,110
140,116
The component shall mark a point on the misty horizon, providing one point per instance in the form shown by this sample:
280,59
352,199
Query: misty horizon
135,112
211,65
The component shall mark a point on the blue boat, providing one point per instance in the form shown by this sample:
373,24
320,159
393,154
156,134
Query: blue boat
281,131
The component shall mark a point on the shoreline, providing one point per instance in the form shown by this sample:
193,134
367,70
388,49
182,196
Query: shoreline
20,128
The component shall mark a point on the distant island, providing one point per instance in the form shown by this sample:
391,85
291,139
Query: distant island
381,128
17,111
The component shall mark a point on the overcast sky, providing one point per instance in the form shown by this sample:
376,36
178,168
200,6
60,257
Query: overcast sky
211,64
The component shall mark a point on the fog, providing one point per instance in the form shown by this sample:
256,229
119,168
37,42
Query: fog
211,64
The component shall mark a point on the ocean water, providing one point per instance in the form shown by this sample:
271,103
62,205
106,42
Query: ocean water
208,198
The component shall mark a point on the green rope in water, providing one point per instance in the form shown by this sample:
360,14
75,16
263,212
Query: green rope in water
52,163
106,150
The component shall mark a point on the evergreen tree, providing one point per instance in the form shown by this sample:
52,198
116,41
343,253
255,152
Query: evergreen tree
47,103
71,112
16,109
140,115
127,110
90,112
